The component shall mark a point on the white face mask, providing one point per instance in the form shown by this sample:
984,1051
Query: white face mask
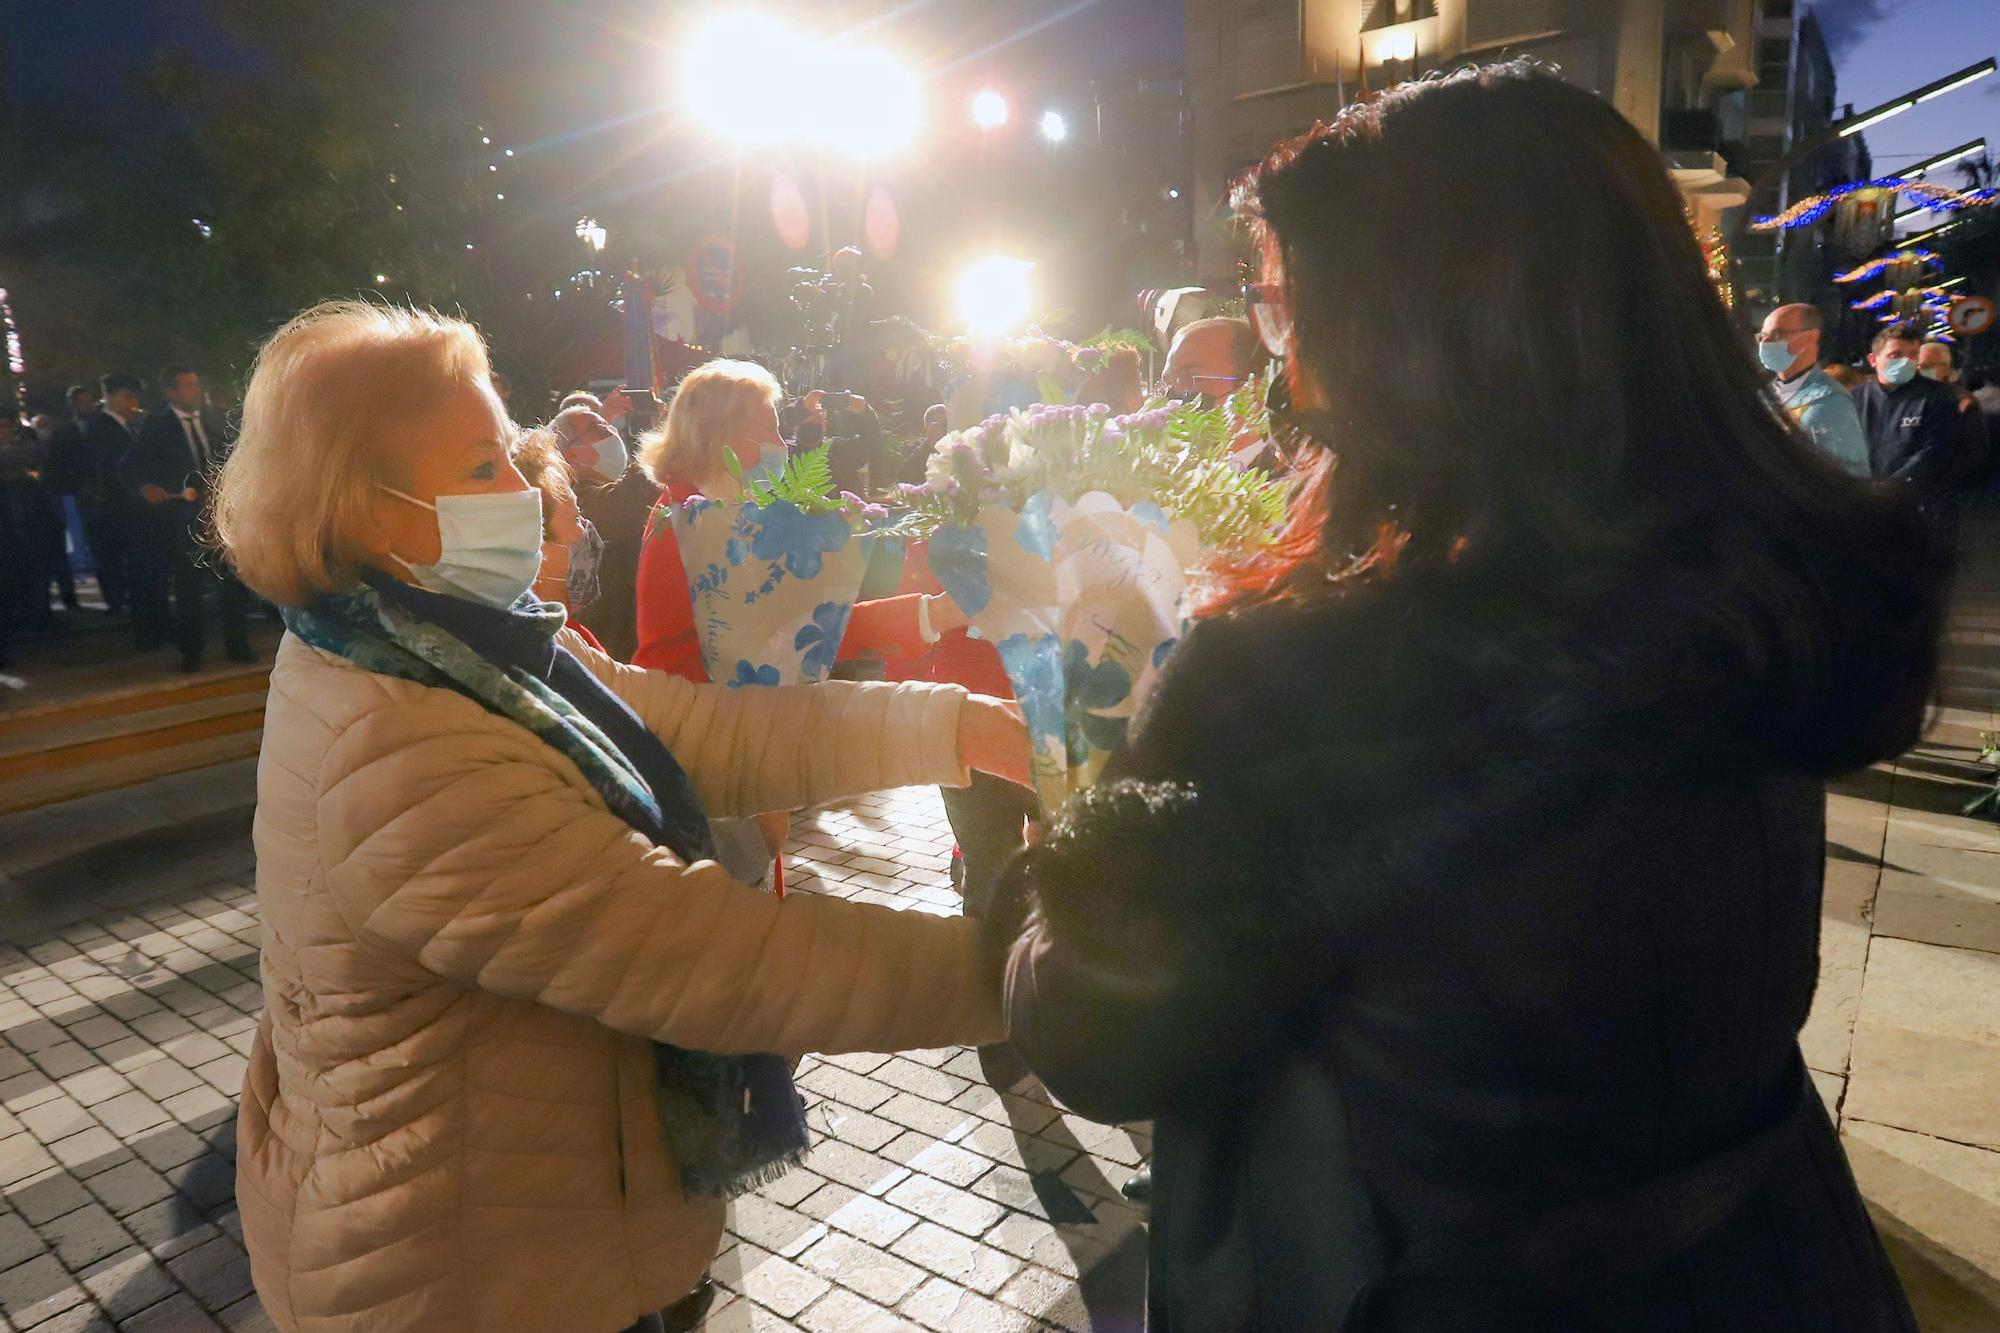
489,545
604,458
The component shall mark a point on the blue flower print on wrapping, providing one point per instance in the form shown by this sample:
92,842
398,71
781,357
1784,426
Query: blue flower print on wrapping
1035,533
746,674
1151,515
800,542
1086,689
820,639
736,550
1034,669
1161,653
958,560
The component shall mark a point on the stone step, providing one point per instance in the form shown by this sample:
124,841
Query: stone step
160,757
120,701
87,739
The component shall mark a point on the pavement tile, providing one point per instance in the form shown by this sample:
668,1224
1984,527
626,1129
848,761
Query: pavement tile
218,1273
129,1187
950,1255
247,1316
776,1283
88,1153
872,1220
83,1237
176,1314
773,1227
844,1312
961,1210
1843,957
949,1308
99,1084
852,1167
863,1268
57,1118
19,1242
49,1194
1958,912
1927,1045
36,1291
169,1227
163,1078
130,1115
127,1283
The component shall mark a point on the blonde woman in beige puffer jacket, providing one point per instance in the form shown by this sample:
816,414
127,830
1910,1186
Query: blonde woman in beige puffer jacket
449,1119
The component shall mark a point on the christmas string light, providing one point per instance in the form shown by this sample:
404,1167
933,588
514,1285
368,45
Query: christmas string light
1935,198
16,365
1874,267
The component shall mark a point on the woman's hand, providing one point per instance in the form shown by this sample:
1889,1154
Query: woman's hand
993,739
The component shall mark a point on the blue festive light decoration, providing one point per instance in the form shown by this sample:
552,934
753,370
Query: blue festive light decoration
1874,267
1934,198
1877,301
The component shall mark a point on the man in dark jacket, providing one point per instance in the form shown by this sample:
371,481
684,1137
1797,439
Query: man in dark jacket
1912,423
168,470
107,512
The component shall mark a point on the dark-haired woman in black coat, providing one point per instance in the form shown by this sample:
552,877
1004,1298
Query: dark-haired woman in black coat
1455,909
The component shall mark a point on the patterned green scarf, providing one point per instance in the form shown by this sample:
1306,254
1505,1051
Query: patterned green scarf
733,1122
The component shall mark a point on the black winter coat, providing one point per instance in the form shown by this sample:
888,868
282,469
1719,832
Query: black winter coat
1914,434
1464,993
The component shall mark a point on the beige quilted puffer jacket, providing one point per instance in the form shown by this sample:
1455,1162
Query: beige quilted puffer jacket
448,1120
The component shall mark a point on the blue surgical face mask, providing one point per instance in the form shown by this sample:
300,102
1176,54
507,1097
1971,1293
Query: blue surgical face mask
490,545
1777,356
1897,370
1936,373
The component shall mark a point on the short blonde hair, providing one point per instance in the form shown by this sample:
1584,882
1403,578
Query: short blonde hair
710,400
299,485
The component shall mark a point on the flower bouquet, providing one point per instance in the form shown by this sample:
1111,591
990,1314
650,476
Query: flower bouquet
774,577
1067,535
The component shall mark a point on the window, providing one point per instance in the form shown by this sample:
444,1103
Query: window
1270,52
1388,13
1492,22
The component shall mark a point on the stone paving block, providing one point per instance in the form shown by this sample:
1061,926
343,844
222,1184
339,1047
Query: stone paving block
921,1080
85,1318
96,1033
777,1284
176,1314
91,1152
57,1118
64,1059
864,1268
198,1108
1940,1199
127,1283
962,1260
36,1291
926,1117
844,1312
170,1227
1927,1046
1957,912
218,1273
163,1078
961,1210
792,1188
949,1308
848,1089
130,1115
83,1237
19,1242
22,1091
772,1227
852,1167
208,1181
99,1084
866,1132
49,1194
129,1187
951,1164
871,1220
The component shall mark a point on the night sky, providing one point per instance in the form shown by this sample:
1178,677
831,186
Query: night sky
1881,48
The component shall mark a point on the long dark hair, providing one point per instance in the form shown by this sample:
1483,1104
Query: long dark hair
1531,387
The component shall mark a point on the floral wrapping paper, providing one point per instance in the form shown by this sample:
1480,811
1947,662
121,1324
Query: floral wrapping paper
1083,602
773,588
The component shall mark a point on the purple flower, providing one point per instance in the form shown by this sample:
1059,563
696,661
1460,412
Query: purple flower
874,511
1090,360
1098,411
912,490
852,498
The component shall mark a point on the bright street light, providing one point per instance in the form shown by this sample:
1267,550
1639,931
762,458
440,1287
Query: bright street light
589,233
989,109
993,294
1949,83
877,109
749,77
1054,128
755,81
1930,164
